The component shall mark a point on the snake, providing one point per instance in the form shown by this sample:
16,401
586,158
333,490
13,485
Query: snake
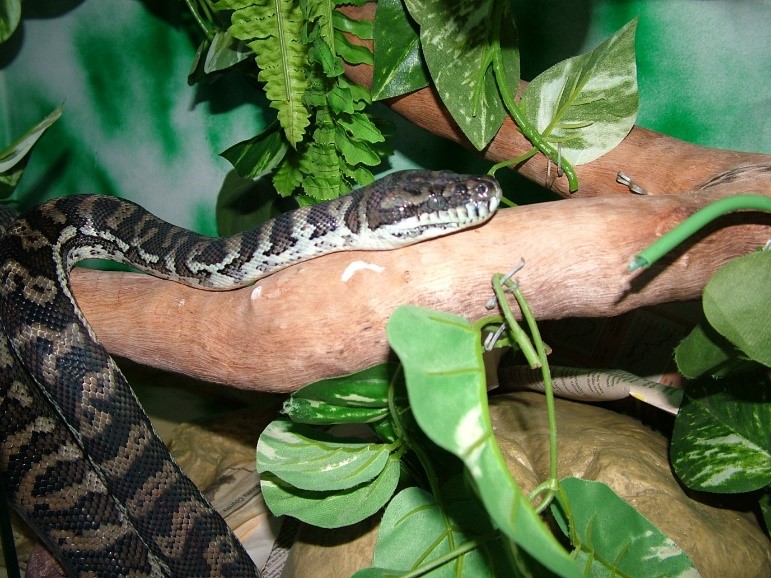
80,460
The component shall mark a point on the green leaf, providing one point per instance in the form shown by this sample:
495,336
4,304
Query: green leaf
737,303
417,530
321,53
320,413
310,459
225,51
352,53
355,151
259,155
377,573
399,65
360,28
331,509
448,396
721,441
10,16
287,177
360,126
612,538
457,41
587,103
14,158
704,351
272,30
17,152
366,388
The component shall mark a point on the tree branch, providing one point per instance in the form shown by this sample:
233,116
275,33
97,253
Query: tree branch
327,316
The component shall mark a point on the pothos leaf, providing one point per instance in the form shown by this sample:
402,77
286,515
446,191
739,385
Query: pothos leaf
587,104
447,392
721,441
736,303
614,539
259,155
418,529
310,459
458,40
14,158
272,29
399,65
333,508
225,51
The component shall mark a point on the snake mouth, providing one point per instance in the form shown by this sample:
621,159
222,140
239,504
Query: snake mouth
468,215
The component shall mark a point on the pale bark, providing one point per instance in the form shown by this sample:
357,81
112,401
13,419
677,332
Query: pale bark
309,321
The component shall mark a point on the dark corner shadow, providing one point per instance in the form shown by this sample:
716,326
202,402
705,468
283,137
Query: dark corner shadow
550,32
646,276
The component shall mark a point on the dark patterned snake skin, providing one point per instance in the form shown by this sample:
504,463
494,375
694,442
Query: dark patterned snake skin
79,457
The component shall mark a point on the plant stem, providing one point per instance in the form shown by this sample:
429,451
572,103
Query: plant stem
511,162
517,333
527,314
197,17
698,220
528,130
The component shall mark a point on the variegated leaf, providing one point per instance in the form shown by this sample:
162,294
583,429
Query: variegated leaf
10,15
399,66
722,436
613,539
457,40
587,104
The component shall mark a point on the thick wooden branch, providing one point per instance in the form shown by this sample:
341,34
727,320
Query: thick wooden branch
327,316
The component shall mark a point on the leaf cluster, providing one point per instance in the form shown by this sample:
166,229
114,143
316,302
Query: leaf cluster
431,460
572,113
722,436
322,141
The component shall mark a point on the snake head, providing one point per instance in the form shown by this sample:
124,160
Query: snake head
410,206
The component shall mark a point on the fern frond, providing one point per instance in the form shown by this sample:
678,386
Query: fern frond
272,30
321,13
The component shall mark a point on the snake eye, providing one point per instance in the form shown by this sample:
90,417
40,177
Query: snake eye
435,203
482,189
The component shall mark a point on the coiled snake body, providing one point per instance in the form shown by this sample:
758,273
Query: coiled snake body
79,457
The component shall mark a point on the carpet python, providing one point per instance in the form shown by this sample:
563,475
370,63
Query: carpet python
80,460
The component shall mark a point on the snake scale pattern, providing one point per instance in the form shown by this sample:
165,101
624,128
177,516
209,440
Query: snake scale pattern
80,460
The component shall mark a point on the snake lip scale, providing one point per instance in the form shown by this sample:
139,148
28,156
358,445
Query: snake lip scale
80,460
